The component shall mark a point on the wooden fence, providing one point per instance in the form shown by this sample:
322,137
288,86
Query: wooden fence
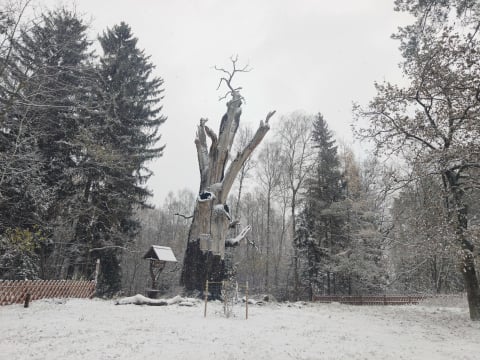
371,299
12,292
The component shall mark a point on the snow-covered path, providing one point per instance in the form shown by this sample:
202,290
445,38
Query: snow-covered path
96,329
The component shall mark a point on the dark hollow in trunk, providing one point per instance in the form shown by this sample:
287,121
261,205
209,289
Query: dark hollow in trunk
200,266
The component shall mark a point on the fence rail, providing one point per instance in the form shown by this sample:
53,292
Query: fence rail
371,299
12,292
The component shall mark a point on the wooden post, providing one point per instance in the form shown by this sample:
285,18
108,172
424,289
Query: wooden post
206,299
27,300
236,291
246,301
97,270
224,293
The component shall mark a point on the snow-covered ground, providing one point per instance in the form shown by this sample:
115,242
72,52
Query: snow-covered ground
98,329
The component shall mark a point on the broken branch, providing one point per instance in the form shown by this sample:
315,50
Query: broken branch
236,240
237,164
183,216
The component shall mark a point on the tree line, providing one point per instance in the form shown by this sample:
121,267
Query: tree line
323,223
76,131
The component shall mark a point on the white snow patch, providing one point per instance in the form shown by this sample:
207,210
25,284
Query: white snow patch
239,237
215,188
186,303
220,209
142,300
97,329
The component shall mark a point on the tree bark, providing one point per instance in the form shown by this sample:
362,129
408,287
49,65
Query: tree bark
204,256
295,252
467,259
267,260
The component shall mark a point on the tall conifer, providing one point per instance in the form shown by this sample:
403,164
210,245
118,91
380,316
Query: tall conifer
126,138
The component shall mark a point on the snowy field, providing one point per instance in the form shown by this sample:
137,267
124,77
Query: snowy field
97,329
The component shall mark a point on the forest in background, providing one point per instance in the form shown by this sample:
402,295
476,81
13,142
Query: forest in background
78,128
352,236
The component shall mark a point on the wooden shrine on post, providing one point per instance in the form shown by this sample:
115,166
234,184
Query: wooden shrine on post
158,256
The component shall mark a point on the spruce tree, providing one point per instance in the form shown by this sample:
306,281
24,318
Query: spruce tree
51,76
326,183
320,232
18,158
74,143
55,53
126,138
361,264
134,110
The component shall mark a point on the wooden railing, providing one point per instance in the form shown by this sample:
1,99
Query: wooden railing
12,292
370,299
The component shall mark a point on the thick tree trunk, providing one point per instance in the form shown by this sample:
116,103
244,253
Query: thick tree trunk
267,260
295,251
468,264
471,284
328,283
467,259
280,246
204,257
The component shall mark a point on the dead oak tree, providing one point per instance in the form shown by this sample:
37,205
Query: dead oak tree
204,256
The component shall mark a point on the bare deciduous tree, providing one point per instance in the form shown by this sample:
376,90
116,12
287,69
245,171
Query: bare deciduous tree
433,121
295,135
204,257
269,175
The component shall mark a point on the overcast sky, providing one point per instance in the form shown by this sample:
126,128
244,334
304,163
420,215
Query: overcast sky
310,55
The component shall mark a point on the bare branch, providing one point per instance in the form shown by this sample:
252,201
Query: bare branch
236,240
269,115
109,247
12,34
228,77
184,216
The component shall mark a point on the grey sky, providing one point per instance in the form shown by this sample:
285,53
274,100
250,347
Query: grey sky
310,55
